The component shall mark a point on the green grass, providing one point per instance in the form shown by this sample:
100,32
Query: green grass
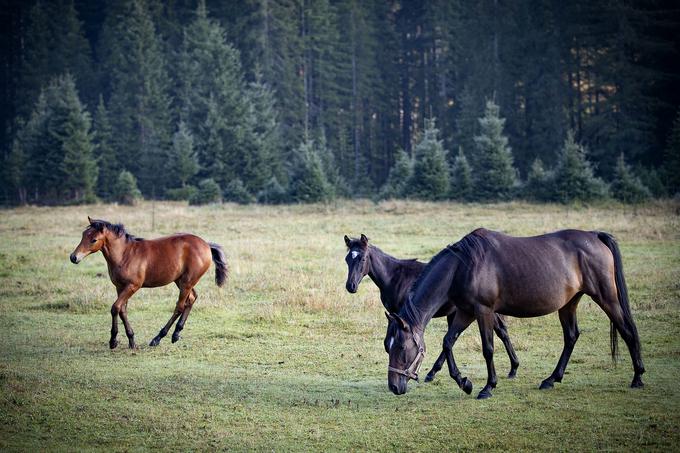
283,358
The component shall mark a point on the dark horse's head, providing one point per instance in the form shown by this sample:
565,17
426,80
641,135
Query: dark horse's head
406,348
357,261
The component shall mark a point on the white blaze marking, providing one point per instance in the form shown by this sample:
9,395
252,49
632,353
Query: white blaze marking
354,255
391,343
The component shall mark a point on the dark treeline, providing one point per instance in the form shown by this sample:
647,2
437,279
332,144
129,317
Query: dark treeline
304,100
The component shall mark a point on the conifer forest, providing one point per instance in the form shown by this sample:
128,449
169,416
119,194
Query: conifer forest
294,101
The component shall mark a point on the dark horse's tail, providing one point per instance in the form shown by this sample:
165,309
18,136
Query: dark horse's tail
221,270
621,290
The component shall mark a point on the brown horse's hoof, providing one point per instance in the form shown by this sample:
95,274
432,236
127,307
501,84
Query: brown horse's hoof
466,385
113,344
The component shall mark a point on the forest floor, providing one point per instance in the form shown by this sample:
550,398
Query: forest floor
283,358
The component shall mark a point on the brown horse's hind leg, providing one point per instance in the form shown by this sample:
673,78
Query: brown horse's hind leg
501,329
571,333
179,308
185,314
118,307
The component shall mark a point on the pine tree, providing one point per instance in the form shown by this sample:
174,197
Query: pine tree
574,178
308,183
183,163
208,192
125,191
134,68
16,171
399,178
671,166
626,186
273,193
461,178
494,171
430,179
109,166
539,185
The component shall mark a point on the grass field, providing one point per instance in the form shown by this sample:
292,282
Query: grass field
283,358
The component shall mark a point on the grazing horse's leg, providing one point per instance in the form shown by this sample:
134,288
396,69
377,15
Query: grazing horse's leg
128,329
442,355
179,308
185,314
571,333
501,329
460,323
124,294
485,320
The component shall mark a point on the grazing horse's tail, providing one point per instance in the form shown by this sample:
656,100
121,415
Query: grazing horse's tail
221,270
621,290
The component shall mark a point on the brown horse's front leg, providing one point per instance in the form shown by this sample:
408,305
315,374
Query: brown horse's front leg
128,329
119,307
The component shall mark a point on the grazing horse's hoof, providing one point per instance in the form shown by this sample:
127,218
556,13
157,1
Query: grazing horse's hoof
175,338
545,385
466,385
484,394
155,341
133,345
429,377
637,383
113,344
512,374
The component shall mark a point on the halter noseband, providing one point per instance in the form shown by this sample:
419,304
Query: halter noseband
412,371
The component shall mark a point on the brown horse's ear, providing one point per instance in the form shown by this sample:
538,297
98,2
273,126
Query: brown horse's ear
90,220
347,241
364,239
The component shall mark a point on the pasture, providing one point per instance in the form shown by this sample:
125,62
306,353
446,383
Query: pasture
283,358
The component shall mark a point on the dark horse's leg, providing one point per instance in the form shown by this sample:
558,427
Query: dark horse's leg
571,333
128,329
442,356
119,306
485,319
461,322
185,314
501,329
179,308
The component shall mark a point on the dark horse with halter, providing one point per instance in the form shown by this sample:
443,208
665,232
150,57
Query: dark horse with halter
488,272
136,263
394,278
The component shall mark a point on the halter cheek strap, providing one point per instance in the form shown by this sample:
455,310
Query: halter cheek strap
412,371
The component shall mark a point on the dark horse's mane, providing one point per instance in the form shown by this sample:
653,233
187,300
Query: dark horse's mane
116,228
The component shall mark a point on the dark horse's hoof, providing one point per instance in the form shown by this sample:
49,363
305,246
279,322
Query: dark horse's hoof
155,342
113,344
175,338
637,384
466,385
429,377
545,385
512,374
484,394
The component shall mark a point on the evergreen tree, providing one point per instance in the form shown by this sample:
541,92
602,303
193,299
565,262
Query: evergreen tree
494,171
539,185
461,178
574,178
134,69
208,192
126,191
16,171
236,191
308,183
109,166
182,164
626,186
430,179
399,178
671,167
272,193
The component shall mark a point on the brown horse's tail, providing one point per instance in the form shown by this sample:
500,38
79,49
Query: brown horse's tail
621,290
221,269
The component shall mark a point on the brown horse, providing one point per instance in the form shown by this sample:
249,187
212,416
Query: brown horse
137,263
488,272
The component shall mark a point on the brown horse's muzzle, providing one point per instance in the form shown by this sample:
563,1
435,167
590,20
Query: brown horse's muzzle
74,260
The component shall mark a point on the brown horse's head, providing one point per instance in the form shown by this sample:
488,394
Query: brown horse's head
92,240
357,260
406,348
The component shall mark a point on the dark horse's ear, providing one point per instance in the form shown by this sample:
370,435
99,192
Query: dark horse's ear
398,319
364,239
347,241
90,220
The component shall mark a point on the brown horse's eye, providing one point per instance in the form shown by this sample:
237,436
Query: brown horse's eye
93,241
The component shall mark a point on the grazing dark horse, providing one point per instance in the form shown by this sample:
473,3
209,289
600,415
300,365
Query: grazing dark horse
137,263
394,278
488,272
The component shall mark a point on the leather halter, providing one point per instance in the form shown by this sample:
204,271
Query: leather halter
412,371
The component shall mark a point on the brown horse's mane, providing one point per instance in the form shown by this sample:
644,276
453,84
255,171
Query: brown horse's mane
116,228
